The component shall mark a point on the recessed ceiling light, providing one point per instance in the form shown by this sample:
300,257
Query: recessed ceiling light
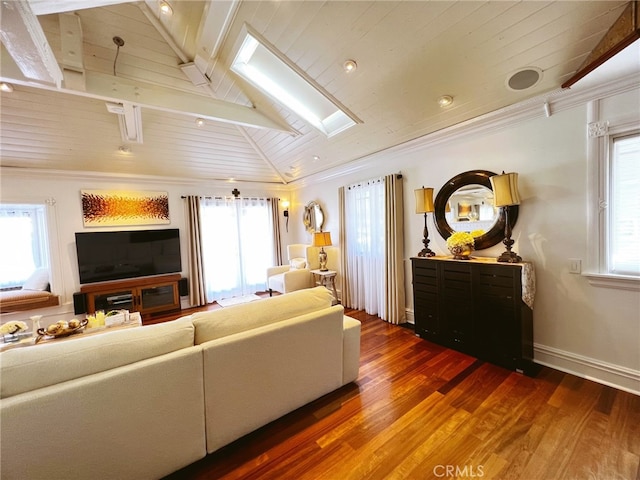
200,122
350,66
124,149
6,87
165,8
445,101
316,158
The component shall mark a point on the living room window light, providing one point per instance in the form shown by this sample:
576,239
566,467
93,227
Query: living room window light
614,221
23,243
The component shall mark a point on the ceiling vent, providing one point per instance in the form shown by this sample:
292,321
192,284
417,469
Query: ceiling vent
524,79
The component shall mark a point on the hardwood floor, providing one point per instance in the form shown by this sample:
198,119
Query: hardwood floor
421,411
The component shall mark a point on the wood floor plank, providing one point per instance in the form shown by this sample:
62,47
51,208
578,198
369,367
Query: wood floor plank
420,411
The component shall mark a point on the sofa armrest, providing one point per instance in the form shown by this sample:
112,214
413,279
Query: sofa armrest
351,349
271,271
297,280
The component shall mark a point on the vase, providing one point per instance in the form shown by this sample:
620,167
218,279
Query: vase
461,252
35,322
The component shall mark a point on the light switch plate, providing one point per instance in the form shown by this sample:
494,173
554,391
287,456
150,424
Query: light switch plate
575,265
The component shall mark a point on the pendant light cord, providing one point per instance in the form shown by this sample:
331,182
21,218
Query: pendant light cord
119,43
115,60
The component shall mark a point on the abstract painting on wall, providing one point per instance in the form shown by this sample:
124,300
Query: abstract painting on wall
108,208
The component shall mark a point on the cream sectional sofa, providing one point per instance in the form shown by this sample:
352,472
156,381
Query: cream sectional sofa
144,402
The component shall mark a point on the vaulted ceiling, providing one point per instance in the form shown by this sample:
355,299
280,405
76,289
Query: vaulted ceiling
408,55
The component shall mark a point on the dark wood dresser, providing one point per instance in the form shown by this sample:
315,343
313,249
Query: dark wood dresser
477,307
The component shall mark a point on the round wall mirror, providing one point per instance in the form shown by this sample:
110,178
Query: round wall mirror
313,217
465,204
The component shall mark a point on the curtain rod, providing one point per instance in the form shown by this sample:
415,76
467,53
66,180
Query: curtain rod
222,198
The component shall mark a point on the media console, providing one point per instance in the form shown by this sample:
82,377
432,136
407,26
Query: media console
147,295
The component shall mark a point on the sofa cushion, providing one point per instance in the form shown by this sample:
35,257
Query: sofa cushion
238,318
28,368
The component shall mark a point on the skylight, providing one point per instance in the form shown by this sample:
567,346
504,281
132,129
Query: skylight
269,71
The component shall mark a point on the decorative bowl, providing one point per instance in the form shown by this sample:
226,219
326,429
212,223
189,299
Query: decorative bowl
63,332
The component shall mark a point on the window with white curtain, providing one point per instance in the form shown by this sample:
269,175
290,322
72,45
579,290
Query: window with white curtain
23,242
365,214
237,245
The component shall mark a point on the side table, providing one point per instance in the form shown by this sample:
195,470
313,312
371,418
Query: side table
326,279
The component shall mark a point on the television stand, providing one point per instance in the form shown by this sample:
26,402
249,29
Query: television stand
148,295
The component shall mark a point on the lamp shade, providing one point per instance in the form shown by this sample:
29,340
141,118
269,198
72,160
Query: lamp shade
424,200
505,189
321,239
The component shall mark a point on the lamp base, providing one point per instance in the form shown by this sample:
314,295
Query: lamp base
509,257
426,252
322,259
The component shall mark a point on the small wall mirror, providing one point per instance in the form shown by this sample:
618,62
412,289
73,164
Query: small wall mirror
313,217
465,204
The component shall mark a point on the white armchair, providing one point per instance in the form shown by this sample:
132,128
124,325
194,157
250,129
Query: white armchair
294,276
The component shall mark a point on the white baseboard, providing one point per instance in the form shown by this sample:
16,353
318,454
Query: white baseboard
622,378
609,374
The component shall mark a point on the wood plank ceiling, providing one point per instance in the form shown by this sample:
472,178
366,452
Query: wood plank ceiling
408,55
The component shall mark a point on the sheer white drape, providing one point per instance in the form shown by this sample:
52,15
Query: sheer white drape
372,263
365,245
237,245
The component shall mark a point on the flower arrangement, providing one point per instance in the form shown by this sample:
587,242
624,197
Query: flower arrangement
460,244
459,239
477,233
12,327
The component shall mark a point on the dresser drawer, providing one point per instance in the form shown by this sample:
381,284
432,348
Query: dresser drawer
497,282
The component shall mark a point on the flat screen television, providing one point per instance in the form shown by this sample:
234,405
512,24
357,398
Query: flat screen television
104,256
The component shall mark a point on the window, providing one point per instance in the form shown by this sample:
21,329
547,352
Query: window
23,243
237,244
271,72
614,203
624,206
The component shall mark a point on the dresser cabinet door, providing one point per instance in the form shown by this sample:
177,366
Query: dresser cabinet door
497,316
456,302
425,301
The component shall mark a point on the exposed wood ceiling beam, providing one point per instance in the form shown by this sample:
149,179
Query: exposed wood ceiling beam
45,7
622,33
213,30
24,39
72,51
116,89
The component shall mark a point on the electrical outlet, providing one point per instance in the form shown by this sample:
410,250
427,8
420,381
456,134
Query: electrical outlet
575,265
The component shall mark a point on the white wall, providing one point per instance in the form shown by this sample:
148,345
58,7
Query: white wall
591,331
65,188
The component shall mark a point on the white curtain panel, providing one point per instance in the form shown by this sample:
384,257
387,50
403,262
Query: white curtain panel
365,245
237,245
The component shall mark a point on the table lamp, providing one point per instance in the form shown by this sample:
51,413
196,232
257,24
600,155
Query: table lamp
322,239
505,193
424,204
